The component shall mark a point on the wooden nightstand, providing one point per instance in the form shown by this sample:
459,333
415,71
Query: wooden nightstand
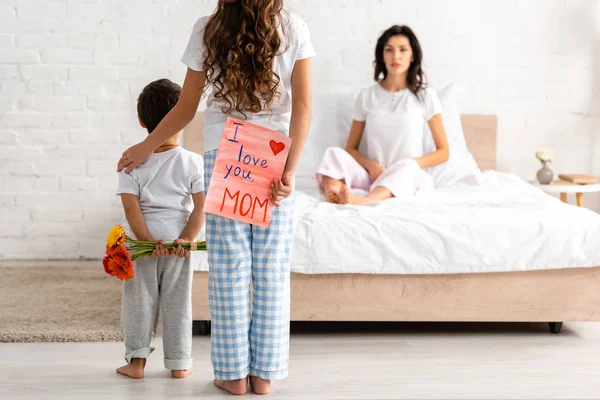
563,187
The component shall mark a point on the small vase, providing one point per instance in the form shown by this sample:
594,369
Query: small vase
545,174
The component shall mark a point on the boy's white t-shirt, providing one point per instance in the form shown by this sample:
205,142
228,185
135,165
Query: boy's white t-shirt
394,121
300,47
165,184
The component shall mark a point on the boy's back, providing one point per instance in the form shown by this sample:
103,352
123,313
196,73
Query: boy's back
165,184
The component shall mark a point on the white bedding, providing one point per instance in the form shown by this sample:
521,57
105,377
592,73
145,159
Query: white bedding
500,224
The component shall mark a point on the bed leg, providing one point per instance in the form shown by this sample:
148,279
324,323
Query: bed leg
201,328
555,327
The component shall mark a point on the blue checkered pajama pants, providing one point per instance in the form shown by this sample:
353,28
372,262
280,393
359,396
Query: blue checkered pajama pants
249,336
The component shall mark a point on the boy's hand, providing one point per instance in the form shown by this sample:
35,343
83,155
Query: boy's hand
282,189
160,250
180,251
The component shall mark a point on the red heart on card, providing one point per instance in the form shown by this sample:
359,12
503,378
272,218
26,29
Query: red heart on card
276,147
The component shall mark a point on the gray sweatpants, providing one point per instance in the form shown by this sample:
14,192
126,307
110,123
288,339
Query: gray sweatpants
164,281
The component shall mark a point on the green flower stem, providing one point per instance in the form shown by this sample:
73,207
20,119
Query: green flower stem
140,248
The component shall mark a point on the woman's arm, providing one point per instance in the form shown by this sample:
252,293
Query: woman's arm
356,132
177,119
353,143
442,150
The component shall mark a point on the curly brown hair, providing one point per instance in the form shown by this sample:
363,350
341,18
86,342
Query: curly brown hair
241,40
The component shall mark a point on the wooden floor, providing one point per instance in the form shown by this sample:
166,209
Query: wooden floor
340,361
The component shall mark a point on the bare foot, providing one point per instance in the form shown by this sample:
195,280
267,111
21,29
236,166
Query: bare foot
356,200
331,188
237,386
332,194
261,386
135,369
380,193
343,196
182,373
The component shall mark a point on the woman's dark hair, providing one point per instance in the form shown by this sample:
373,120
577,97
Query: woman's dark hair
415,79
241,40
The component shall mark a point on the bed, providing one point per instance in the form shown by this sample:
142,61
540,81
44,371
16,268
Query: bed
498,250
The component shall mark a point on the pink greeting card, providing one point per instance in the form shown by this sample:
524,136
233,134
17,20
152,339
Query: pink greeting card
250,157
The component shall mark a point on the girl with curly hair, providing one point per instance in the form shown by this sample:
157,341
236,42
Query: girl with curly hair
255,58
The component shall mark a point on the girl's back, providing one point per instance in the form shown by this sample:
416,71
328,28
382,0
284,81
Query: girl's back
249,72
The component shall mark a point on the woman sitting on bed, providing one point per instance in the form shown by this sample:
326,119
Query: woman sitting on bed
391,114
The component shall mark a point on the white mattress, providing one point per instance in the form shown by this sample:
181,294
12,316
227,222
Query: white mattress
500,224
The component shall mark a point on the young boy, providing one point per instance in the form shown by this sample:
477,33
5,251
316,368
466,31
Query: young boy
163,201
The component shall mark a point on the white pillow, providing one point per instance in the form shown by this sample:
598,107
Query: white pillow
329,127
461,165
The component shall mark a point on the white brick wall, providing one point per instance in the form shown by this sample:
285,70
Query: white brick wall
70,72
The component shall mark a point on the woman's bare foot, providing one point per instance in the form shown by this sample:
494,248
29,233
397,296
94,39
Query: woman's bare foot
343,196
378,194
331,188
135,369
261,386
356,200
182,373
332,194
236,386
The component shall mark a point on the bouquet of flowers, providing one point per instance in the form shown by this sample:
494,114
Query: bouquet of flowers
122,251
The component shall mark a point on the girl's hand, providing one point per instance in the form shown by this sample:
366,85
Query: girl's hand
134,156
160,250
180,251
282,189
374,169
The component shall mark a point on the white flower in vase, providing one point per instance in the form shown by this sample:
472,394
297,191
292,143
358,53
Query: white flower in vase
545,174
545,155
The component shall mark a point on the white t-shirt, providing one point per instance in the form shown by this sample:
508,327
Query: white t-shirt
300,47
395,121
165,184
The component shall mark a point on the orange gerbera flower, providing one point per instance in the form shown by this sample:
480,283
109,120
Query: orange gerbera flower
120,265
110,250
105,264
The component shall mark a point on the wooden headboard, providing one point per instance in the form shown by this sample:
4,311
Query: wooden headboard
480,134
193,135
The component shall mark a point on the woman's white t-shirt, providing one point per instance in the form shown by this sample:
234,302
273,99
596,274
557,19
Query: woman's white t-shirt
394,121
299,46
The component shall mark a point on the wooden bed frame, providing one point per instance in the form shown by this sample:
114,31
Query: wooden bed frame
551,296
